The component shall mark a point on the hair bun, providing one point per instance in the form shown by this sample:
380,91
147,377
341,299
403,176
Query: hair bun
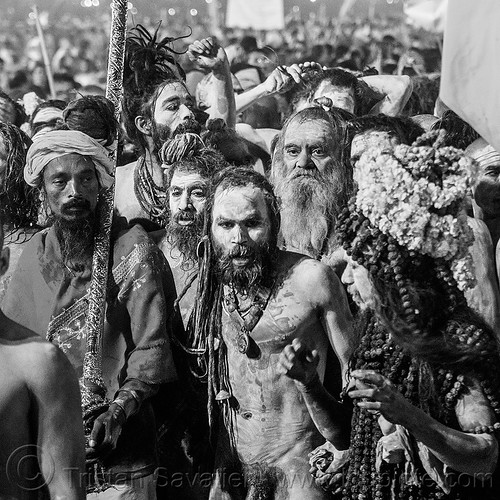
216,125
182,146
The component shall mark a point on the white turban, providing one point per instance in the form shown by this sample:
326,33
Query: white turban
483,153
57,143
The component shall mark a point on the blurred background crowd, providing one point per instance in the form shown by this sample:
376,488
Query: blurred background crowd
356,35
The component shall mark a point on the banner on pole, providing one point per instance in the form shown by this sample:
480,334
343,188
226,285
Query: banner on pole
471,65
255,14
427,14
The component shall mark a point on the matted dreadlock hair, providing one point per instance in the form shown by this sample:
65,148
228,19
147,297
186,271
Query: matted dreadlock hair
150,64
424,338
205,334
19,203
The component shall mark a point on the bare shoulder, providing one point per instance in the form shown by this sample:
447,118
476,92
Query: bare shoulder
40,363
316,279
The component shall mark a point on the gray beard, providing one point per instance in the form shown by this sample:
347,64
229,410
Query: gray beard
308,214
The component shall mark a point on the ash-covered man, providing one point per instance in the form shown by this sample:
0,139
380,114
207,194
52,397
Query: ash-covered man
49,294
255,299
313,180
157,106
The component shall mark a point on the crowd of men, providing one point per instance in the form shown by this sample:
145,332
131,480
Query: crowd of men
302,293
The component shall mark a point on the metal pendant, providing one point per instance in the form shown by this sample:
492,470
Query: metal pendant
243,341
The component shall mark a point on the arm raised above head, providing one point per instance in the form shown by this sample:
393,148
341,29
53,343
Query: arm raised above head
60,440
208,54
395,91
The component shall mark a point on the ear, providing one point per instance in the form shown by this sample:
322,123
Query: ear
143,125
4,260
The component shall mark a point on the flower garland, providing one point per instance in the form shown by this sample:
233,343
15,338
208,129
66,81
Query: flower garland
417,194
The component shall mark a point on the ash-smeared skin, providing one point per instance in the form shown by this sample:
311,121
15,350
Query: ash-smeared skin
273,425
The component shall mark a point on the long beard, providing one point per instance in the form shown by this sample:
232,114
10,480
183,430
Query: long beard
310,205
76,240
163,133
245,279
185,238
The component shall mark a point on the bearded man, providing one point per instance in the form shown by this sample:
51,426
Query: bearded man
424,377
188,167
313,180
49,294
157,106
254,299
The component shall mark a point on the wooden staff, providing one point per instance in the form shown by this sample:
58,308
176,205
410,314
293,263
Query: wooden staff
45,54
92,385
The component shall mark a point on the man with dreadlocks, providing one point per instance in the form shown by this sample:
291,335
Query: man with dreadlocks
253,300
188,168
157,106
425,377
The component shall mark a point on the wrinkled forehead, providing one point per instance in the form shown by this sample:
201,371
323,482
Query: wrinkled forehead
239,202
173,89
305,129
182,178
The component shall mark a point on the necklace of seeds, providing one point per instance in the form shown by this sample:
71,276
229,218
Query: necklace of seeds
151,197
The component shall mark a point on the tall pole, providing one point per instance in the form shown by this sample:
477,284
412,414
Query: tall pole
45,54
92,387
213,12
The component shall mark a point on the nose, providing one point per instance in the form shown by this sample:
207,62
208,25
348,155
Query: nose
304,160
185,201
185,112
346,277
239,235
75,188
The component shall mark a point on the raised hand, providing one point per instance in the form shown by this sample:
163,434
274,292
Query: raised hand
298,362
207,53
377,393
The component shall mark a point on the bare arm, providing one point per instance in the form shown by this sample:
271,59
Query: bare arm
331,418
395,91
464,452
336,317
60,442
282,79
208,54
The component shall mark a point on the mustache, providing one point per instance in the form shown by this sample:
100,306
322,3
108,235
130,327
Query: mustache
240,251
185,215
309,174
188,125
76,204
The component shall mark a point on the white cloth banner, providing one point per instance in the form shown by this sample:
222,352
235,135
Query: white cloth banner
470,72
427,14
345,8
256,14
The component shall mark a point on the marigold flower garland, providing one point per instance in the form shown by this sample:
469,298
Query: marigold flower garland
417,194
